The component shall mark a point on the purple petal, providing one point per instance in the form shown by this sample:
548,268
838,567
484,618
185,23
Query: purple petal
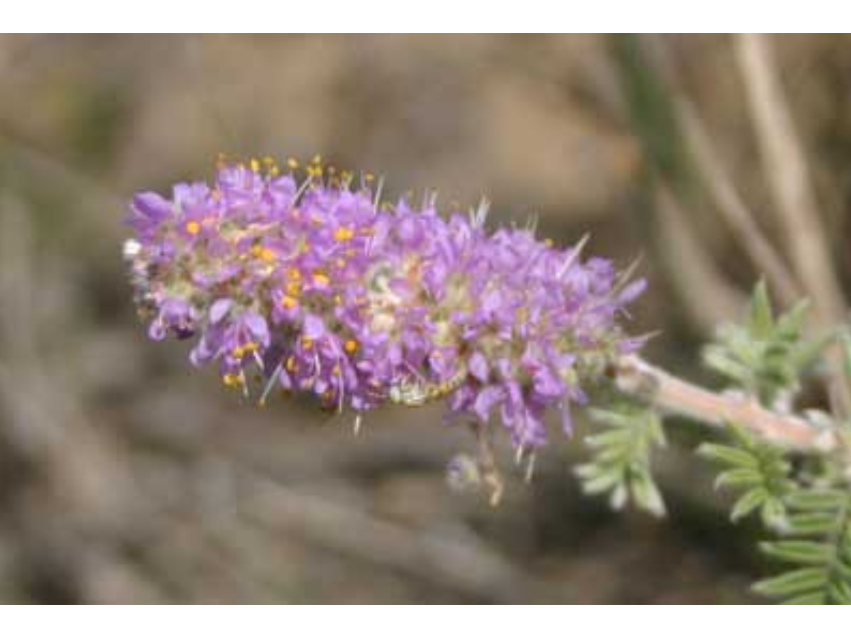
219,309
486,400
478,365
257,326
314,327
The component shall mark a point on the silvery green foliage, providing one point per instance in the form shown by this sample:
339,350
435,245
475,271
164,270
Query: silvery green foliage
814,548
808,507
812,524
758,471
620,466
764,356
803,501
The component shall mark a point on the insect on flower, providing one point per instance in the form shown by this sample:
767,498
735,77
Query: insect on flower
414,394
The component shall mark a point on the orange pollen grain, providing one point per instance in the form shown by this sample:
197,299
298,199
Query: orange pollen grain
291,363
294,274
267,254
289,302
193,227
231,379
343,234
293,288
306,343
351,346
321,279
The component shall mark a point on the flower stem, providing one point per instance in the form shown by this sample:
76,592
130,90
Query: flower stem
640,379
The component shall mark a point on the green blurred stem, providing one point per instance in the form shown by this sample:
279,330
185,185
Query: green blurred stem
644,381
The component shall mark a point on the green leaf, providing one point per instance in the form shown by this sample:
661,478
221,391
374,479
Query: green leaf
727,454
741,477
817,500
810,524
756,468
620,463
764,356
840,592
821,570
794,582
760,317
816,598
799,552
748,503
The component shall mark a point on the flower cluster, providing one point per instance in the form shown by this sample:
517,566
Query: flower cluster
315,285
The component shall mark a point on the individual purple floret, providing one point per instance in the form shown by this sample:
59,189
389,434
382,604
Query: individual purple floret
319,289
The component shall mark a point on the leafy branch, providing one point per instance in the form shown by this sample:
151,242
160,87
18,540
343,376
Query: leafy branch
764,356
620,466
818,555
805,504
759,470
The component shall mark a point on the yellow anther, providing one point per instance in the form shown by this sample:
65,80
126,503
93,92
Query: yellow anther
338,300
292,163
232,380
269,160
336,370
343,233
193,227
321,279
369,177
255,165
306,343
289,302
291,363
548,243
317,159
256,250
351,346
267,255
340,263
293,289
294,274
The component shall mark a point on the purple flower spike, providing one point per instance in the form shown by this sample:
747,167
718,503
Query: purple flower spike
318,289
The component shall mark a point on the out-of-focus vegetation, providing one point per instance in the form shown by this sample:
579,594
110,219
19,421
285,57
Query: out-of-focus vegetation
125,476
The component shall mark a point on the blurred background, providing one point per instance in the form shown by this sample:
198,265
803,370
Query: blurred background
126,476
